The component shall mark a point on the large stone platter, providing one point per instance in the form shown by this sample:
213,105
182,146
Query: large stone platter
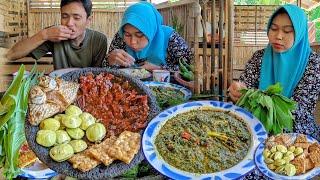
101,171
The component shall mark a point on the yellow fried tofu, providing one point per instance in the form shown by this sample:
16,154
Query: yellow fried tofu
99,151
83,161
125,147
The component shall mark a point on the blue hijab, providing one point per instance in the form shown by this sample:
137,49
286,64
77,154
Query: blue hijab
287,67
145,17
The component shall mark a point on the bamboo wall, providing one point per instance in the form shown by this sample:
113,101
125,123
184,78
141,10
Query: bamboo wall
13,21
108,21
105,21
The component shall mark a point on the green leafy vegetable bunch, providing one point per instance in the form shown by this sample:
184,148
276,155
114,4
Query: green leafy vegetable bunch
13,108
270,107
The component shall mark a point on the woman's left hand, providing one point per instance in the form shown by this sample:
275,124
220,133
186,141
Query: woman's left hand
149,66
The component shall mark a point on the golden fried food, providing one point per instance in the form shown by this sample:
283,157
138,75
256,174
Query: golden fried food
50,97
99,151
83,161
125,147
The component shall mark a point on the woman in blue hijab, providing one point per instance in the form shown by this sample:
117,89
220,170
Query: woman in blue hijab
289,60
143,40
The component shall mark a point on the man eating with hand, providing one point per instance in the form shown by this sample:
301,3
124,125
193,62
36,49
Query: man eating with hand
72,44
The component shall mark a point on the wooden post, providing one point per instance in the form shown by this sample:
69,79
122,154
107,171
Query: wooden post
213,46
221,7
196,16
230,10
206,74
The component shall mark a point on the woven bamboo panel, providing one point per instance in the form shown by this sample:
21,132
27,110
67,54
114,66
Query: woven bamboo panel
242,54
252,18
14,20
96,4
106,22
183,16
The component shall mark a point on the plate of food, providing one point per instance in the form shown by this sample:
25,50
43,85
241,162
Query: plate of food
30,165
139,73
88,123
60,72
168,94
289,156
203,139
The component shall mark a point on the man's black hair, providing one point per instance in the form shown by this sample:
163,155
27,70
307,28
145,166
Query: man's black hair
87,5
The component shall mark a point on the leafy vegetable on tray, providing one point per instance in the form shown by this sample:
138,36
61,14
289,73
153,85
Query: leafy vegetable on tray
12,117
270,107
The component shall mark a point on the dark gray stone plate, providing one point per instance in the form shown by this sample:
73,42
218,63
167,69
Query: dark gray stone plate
101,171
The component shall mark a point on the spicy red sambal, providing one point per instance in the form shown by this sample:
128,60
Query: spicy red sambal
114,102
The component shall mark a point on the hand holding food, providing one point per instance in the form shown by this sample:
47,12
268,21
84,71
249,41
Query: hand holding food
234,90
57,33
120,57
186,70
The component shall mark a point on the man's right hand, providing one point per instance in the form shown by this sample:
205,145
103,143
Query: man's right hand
120,57
57,33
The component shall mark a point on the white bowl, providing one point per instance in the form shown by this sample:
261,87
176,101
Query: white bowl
258,135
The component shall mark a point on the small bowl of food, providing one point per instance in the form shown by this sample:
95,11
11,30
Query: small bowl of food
289,156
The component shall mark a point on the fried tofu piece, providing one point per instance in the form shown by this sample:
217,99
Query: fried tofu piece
314,147
299,163
83,161
284,139
99,151
315,158
301,138
126,146
308,164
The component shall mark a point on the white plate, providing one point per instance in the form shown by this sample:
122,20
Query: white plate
139,73
187,93
258,135
37,171
262,166
60,72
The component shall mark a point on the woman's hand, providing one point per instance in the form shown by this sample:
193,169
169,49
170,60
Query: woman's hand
120,57
149,66
234,90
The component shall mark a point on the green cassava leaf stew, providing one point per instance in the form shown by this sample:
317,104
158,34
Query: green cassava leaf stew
167,96
204,140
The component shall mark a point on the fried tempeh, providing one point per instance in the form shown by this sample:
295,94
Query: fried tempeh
83,161
99,151
125,147
315,158
299,163
314,147
301,138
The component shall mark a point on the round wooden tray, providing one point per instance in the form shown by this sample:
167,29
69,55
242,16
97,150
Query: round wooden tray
188,84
